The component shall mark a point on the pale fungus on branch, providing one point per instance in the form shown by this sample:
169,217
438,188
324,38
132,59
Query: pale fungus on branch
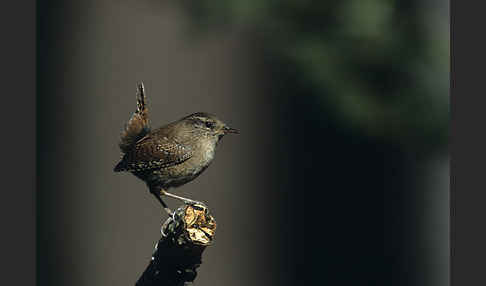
177,255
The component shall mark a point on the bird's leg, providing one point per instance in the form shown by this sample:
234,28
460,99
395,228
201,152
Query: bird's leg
157,196
185,200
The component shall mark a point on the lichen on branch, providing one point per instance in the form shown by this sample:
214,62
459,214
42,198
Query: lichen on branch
178,253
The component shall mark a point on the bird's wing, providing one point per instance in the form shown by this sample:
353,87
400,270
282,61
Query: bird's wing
138,125
152,152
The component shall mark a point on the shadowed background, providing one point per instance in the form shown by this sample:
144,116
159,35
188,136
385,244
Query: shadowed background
340,174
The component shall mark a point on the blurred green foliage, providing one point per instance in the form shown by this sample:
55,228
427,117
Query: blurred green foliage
381,65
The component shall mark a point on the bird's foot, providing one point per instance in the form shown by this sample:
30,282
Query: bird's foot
168,211
173,218
185,200
192,202
166,208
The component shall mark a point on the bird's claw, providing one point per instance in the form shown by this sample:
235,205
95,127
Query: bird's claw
193,203
174,216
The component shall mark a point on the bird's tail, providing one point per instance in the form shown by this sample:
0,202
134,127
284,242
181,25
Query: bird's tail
138,125
121,166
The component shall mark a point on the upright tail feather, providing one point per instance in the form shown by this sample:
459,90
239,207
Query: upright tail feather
138,125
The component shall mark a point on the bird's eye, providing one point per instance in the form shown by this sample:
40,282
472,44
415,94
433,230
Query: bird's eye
209,124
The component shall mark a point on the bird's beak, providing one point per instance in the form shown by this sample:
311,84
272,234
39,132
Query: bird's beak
227,130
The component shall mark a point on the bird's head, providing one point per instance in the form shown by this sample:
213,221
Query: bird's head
208,125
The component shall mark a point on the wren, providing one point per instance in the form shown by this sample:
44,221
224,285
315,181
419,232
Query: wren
172,155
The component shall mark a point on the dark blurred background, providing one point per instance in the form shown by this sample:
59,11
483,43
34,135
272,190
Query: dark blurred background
340,175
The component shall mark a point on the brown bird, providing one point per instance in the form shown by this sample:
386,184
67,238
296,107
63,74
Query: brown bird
172,155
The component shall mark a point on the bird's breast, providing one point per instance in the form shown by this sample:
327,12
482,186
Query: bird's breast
207,155
201,159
